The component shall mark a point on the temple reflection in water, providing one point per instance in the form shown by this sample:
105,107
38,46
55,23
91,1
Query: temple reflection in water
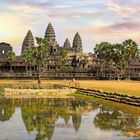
42,115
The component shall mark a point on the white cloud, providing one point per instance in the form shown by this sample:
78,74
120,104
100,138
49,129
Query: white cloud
123,8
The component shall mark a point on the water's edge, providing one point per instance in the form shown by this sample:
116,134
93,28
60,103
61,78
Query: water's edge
117,97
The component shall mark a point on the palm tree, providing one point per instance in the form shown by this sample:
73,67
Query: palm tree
37,55
27,56
103,51
131,51
118,59
117,56
11,56
40,55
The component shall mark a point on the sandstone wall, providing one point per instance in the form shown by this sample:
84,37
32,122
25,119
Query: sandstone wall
37,93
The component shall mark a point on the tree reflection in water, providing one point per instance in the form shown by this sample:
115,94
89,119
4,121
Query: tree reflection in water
109,119
41,115
6,109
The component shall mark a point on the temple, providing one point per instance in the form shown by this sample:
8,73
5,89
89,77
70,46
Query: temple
86,65
28,41
4,48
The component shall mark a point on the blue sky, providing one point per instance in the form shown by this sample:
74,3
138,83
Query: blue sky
95,20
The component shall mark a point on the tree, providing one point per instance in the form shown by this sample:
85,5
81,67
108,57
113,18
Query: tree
103,52
63,56
27,55
60,58
68,69
117,57
11,56
40,54
131,52
37,55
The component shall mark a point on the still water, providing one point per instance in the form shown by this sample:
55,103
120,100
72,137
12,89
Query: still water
64,119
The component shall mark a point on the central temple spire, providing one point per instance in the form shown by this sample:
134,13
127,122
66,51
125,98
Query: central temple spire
50,34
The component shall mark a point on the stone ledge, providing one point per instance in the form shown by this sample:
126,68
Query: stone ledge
46,93
117,97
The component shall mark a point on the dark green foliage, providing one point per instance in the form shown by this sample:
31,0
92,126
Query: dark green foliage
37,55
11,56
2,90
68,69
63,53
27,55
117,56
63,57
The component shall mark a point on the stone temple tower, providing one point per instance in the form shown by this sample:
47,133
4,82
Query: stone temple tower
28,41
50,36
67,44
77,43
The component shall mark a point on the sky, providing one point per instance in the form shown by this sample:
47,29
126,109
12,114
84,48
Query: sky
95,20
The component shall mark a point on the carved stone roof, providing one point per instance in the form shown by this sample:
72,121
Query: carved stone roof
4,43
28,40
77,42
50,34
67,43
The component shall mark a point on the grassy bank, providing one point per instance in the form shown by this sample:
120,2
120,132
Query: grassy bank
128,87
119,106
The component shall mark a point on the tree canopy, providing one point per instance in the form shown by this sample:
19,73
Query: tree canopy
11,56
117,56
37,55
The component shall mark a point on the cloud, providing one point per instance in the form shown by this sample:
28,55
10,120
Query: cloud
123,8
119,27
75,8
57,8
96,20
115,32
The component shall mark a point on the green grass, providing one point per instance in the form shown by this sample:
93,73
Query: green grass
119,106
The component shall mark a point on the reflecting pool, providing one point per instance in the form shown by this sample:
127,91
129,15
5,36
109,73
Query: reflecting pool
65,119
